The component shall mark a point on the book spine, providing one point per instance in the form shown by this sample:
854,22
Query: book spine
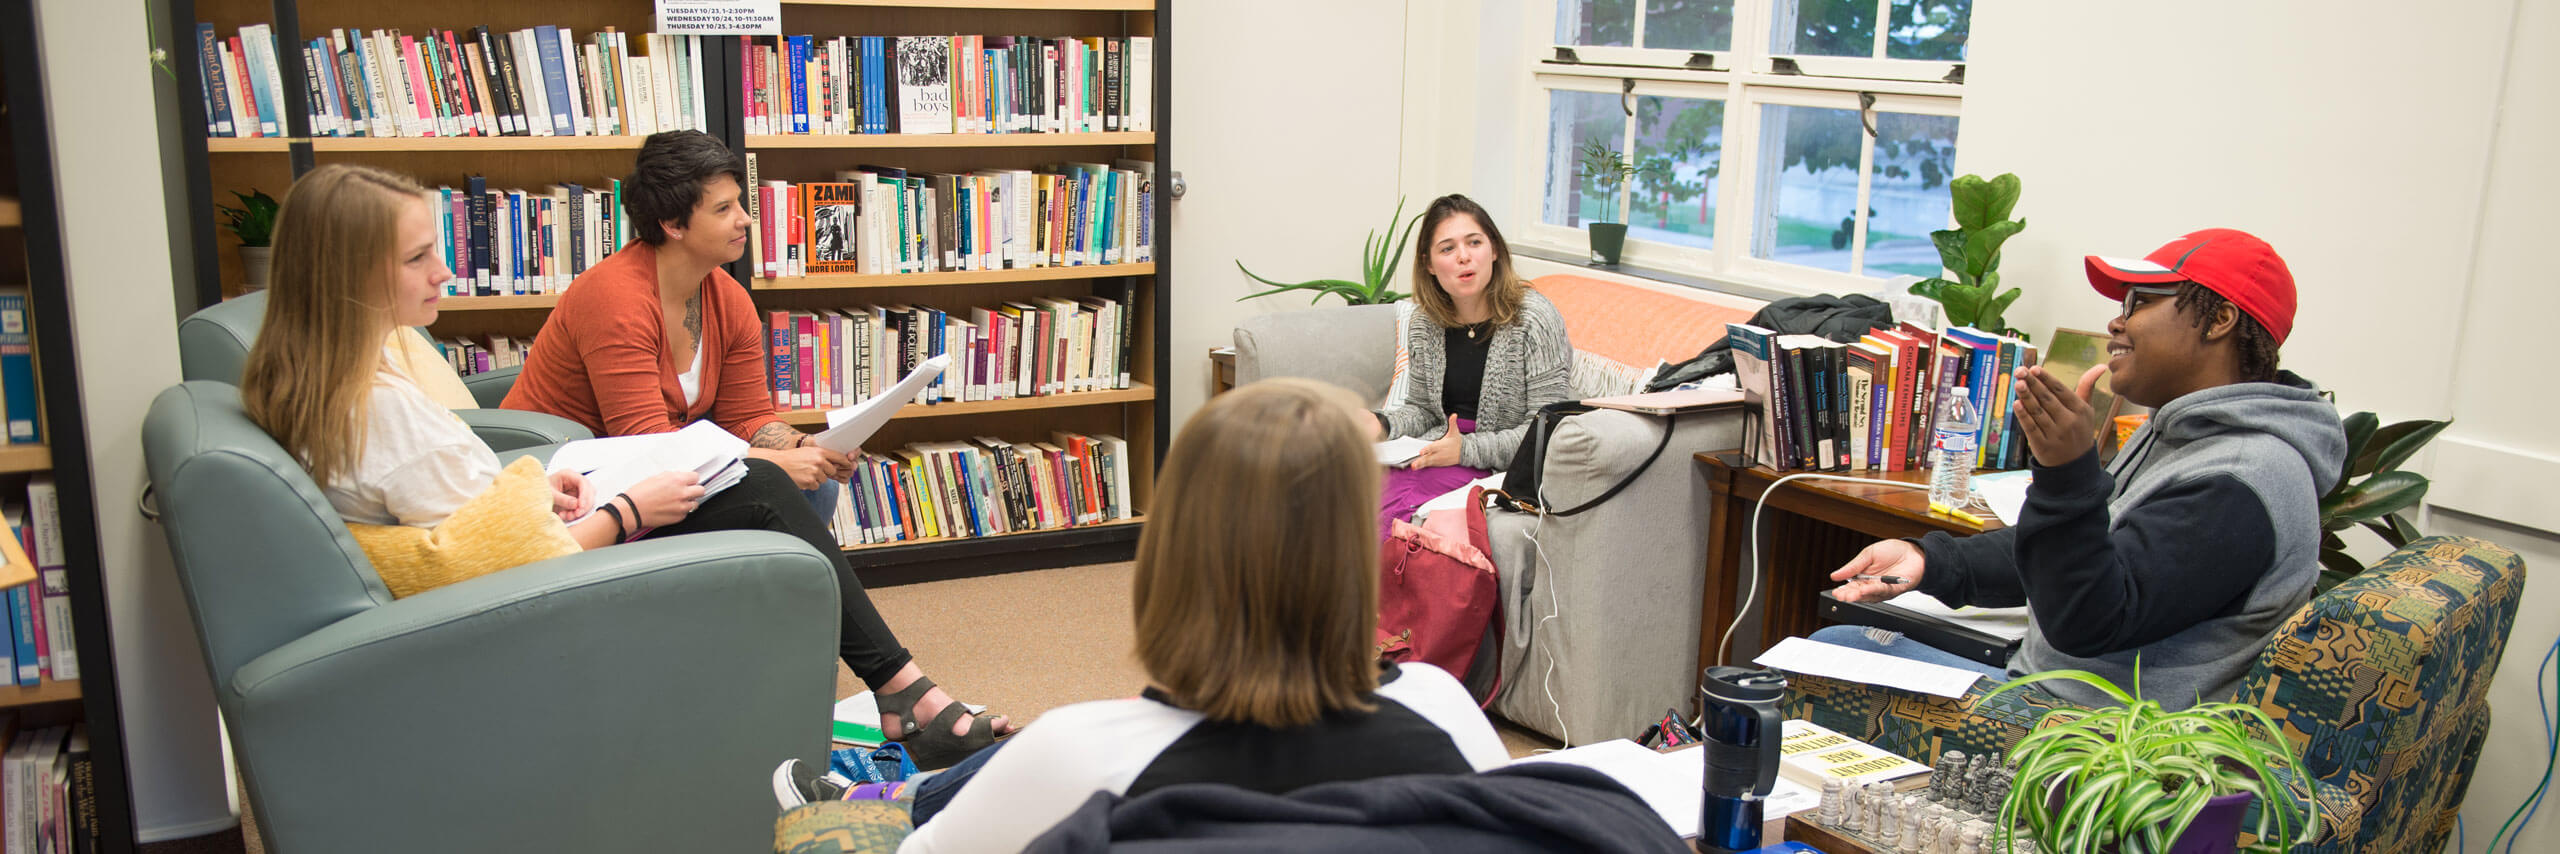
18,369
217,100
22,633
555,80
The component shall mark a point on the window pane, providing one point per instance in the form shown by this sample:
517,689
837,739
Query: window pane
1823,28
1575,119
1915,157
1808,201
1929,29
1602,23
1679,147
1688,24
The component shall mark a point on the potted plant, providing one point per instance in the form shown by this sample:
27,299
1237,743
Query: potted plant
1971,251
1608,170
254,223
2137,777
2374,454
1378,263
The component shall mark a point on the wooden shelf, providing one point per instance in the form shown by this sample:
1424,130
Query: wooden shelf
279,145
1116,523
48,691
965,277
1134,393
505,303
25,458
1044,5
11,215
945,140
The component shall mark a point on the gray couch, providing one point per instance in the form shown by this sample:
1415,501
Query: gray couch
634,698
1602,607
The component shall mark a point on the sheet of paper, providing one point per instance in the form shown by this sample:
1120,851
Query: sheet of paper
1396,452
2006,492
1670,783
2008,623
851,426
1873,668
1456,498
614,465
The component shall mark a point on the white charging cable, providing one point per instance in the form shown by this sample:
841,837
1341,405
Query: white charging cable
1759,558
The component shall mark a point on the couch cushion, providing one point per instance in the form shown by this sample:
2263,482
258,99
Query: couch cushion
1634,325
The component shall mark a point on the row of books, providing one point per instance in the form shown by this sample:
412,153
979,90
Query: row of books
541,81
35,614
510,242
834,357
48,788
947,84
488,354
883,219
1871,404
983,487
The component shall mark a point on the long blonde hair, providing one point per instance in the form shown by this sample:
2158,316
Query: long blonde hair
1503,290
1257,577
328,310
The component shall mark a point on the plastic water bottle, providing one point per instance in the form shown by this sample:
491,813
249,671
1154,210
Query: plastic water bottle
1951,472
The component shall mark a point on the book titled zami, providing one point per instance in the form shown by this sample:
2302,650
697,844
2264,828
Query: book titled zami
1812,754
830,211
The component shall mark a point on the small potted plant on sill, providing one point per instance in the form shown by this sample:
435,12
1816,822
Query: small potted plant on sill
2137,777
254,223
1378,263
1608,171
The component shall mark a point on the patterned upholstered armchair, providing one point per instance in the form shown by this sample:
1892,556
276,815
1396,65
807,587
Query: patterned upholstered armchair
2382,683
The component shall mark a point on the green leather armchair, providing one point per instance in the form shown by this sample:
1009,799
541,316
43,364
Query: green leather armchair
632,698
213,344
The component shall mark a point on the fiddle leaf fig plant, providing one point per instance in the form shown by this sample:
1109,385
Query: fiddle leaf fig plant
1378,263
1971,251
2133,776
2372,491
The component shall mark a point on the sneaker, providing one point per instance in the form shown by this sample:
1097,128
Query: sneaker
797,784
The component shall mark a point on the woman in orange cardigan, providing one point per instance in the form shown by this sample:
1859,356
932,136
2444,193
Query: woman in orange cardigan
658,336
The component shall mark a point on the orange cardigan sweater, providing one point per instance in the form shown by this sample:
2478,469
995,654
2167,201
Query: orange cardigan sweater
601,359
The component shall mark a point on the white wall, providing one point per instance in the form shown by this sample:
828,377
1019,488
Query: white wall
1286,121
118,268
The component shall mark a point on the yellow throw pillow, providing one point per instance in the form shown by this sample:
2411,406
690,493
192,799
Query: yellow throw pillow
510,524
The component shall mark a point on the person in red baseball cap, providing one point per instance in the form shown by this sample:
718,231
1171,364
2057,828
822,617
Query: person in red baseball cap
2199,539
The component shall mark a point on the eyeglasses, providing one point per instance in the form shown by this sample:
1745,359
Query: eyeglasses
2133,295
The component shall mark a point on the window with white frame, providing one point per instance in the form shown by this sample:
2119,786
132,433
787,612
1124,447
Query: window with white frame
1805,144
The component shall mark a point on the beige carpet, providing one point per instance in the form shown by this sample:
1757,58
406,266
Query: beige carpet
1021,643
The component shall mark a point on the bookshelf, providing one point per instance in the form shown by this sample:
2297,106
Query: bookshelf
32,256
1135,413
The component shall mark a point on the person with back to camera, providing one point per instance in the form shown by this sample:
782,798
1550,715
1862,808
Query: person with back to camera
355,258
657,336
1484,354
2203,535
1256,603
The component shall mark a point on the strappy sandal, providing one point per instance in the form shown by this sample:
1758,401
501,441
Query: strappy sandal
931,744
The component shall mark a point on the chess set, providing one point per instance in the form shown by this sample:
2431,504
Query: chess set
1955,814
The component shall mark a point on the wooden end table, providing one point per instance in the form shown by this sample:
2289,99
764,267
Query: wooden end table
1814,527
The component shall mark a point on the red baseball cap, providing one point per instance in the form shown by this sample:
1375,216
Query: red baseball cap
2227,261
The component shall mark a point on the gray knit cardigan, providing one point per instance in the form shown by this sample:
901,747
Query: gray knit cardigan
1529,365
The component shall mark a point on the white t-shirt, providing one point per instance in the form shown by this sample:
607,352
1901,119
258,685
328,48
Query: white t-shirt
690,382
1424,723
419,462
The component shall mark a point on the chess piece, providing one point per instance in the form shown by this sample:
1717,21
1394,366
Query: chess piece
1944,774
1853,806
1828,812
1970,842
1913,815
1880,822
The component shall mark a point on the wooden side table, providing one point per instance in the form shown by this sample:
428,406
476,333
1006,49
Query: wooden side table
1222,370
1814,527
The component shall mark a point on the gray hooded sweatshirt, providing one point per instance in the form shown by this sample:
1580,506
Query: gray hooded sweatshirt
2187,552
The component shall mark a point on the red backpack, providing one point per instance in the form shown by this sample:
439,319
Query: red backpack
1438,597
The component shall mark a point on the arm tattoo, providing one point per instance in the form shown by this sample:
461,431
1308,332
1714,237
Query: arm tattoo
693,317
776,436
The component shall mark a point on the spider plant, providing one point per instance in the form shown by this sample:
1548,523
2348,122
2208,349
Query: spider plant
1378,263
2132,777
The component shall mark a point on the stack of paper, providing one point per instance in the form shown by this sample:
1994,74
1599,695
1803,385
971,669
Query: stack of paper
849,427
614,465
1673,784
1396,452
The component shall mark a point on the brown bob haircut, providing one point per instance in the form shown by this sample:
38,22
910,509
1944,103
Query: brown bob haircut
1503,289
1257,577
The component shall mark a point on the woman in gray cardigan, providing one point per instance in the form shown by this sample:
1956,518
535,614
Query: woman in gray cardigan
1483,355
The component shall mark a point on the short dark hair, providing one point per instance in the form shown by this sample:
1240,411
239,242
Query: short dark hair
2258,349
666,181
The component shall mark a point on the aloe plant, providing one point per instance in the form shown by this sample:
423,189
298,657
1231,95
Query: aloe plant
1971,251
1378,263
2375,503
2132,777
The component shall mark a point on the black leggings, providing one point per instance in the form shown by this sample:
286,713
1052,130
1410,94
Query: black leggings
767,500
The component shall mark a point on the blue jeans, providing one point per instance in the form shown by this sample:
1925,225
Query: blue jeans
823,499
936,792
1855,637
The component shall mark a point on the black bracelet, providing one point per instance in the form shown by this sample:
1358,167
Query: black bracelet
634,504
619,529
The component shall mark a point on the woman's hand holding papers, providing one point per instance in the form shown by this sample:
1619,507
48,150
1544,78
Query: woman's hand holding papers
571,496
1897,558
665,498
808,465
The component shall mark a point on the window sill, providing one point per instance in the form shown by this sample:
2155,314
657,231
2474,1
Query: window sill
1582,261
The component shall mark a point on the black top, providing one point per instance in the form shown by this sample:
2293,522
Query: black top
1344,745
1462,386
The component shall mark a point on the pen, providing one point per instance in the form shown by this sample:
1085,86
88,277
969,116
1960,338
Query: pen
1954,513
1888,579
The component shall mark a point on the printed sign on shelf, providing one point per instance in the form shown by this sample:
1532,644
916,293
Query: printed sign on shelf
720,17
